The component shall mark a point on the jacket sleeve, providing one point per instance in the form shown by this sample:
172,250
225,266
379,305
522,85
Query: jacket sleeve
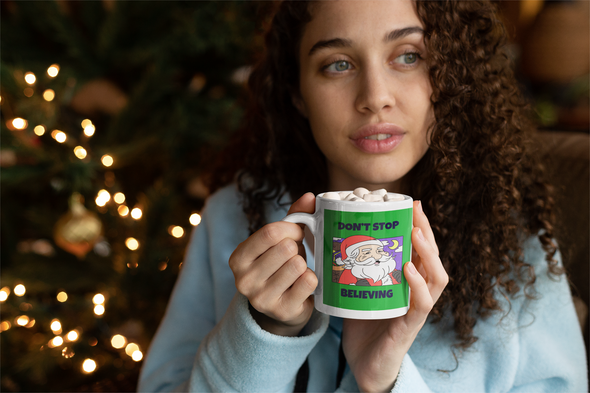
196,350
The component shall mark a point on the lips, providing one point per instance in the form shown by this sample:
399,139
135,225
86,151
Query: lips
378,138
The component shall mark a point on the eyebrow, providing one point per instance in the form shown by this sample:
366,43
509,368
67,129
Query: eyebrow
347,43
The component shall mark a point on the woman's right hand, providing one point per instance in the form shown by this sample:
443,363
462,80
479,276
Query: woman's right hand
270,270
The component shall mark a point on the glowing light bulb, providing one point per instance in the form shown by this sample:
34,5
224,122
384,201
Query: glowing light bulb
80,152
19,123
72,335
53,70
177,232
48,95
62,297
130,348
137,356
99,309
56,341
136,213
88,366
86,122
5,325
22,320
132,243
89,130
103,197
118,341
195,219
59,136
123,210
119,197
4,292
20,290
30,78
56,326
107,160
98,298
39,130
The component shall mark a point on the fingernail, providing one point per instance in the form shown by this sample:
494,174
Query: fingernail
411,268
420,234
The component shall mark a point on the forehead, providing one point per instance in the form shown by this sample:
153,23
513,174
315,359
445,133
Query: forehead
370,247
358,20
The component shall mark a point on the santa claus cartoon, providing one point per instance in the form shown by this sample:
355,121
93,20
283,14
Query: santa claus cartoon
366,263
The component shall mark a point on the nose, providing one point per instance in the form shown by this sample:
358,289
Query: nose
375,91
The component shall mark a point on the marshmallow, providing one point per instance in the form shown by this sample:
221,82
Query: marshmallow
344,194
394,197
381,192
360,192
373,198
357,199
331,195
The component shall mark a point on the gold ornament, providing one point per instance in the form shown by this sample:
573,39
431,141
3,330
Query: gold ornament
78,230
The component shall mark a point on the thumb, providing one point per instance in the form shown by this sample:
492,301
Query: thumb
305,204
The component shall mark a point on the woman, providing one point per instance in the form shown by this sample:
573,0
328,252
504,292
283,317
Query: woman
416,98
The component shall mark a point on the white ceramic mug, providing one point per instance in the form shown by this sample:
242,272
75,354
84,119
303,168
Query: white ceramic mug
359,254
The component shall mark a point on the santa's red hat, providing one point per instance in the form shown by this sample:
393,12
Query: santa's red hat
353,242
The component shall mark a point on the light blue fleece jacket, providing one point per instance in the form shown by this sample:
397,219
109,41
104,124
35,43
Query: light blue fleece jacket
208,340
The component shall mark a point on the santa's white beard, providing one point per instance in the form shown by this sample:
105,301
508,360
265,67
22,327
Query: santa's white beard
375,272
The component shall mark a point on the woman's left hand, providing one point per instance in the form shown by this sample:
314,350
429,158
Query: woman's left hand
374,349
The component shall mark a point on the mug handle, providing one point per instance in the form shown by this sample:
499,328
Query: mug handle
310,220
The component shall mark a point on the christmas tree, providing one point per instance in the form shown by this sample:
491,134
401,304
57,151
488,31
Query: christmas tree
110,110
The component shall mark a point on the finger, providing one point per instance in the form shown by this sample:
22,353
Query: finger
262,240
436,276
421,221
271,261
299,293
421,300
305,204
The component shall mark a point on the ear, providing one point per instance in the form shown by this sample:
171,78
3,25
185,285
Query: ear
299,104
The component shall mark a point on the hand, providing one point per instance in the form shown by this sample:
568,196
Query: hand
270,270
374,349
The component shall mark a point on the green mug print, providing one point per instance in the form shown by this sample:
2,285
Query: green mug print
359,254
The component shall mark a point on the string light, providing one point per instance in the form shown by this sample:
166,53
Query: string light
118,341
19,123
28,92
59,136
20,290
103,197
123,210
39,130
99,309
4,326
89,130
107,160
136,213
73,335
130,348
62,297
22,320
48,95
98,299
88,366
132,243
4,292
137,355
195,219
176,231
119,197
30,78
56,326
80,152
86,122
53,70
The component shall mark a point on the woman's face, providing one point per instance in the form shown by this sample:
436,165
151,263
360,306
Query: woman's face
365,89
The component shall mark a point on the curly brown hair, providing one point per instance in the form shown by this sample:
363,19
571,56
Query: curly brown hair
480,182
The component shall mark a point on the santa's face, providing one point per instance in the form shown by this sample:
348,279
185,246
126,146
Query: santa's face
375,269
370,254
